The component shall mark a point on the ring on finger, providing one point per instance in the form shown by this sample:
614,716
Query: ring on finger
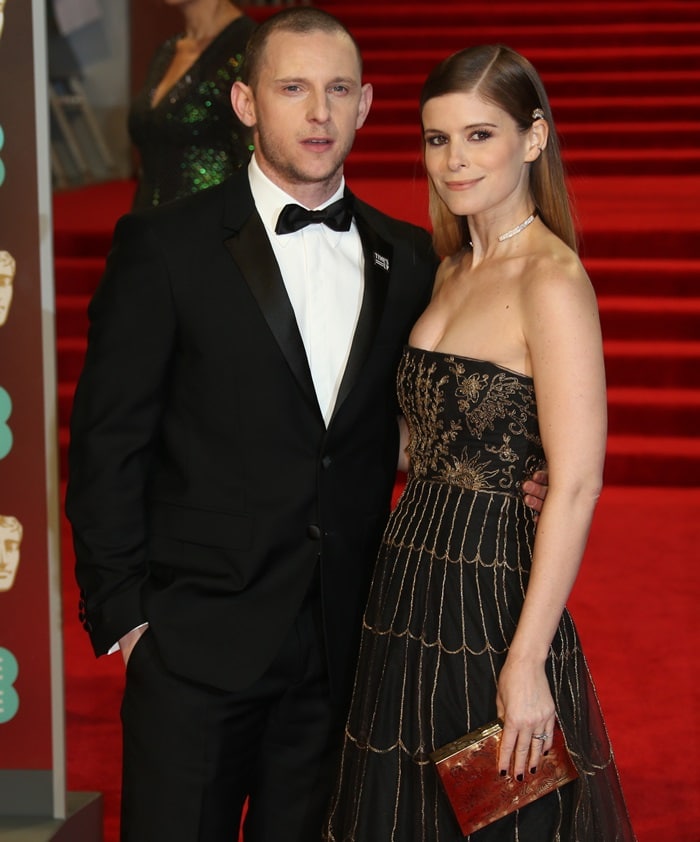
542,737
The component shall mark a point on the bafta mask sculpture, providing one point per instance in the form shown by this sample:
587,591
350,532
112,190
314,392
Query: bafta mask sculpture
7,277
10,541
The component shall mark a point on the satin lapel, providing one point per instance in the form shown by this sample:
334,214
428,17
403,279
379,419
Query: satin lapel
251,250
378,255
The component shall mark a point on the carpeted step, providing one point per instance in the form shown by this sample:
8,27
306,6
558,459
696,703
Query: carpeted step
650,411
459,33
629,277
654,364
70,357
636,105
644,460
642,218
599,14
661,161
87,243
84,217
627,317
428,47
78,275
66,391
63,442
564,83
71,315
640,241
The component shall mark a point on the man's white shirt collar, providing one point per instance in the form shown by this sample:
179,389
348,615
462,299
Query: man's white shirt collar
270,199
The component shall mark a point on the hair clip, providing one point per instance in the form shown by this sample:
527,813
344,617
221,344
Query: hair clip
537,114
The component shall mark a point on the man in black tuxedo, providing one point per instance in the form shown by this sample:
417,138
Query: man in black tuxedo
233,448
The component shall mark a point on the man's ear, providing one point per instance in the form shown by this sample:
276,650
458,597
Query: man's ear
243,103
366,94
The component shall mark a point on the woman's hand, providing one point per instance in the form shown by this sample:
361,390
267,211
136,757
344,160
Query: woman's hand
525,706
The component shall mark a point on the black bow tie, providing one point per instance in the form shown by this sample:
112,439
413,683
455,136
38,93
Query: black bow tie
337,216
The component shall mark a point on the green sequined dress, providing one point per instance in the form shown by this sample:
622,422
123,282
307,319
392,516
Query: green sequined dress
448,588
191,139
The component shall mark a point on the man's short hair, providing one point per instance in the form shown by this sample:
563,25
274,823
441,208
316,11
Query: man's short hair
298,19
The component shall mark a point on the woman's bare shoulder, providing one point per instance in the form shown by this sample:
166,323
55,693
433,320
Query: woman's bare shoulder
555,269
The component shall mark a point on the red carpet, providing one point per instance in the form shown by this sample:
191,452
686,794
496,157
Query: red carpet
624,80
635,604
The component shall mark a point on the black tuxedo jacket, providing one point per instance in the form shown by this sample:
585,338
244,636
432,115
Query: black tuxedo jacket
204,486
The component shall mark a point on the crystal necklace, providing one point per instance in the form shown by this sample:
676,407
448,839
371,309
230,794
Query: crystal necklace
518,228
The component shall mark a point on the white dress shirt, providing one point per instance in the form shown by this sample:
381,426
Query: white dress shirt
323,271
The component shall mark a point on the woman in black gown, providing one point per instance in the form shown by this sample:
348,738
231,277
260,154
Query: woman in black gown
182,123
466,619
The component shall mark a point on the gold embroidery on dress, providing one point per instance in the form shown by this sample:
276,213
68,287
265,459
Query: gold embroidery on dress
427,400
481,408
482,400
469,473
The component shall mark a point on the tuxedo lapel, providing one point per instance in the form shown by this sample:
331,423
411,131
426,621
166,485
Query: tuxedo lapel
378,254
250,248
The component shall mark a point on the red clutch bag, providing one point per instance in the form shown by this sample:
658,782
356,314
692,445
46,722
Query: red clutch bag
469,773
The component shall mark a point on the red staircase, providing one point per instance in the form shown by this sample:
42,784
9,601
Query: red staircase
623,77
624,82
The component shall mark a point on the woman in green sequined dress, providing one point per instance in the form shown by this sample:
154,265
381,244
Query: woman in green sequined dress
182,123
466,618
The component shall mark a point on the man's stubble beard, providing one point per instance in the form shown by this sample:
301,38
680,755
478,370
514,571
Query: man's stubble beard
291,174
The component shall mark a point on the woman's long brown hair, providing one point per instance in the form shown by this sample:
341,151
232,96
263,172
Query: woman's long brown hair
505,78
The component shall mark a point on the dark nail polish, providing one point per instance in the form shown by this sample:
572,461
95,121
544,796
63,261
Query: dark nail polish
533,770
503,773
546,754
520,777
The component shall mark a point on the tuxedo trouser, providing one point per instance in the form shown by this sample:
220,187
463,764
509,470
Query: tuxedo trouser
193,753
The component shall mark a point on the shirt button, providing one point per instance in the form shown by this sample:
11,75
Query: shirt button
326,462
